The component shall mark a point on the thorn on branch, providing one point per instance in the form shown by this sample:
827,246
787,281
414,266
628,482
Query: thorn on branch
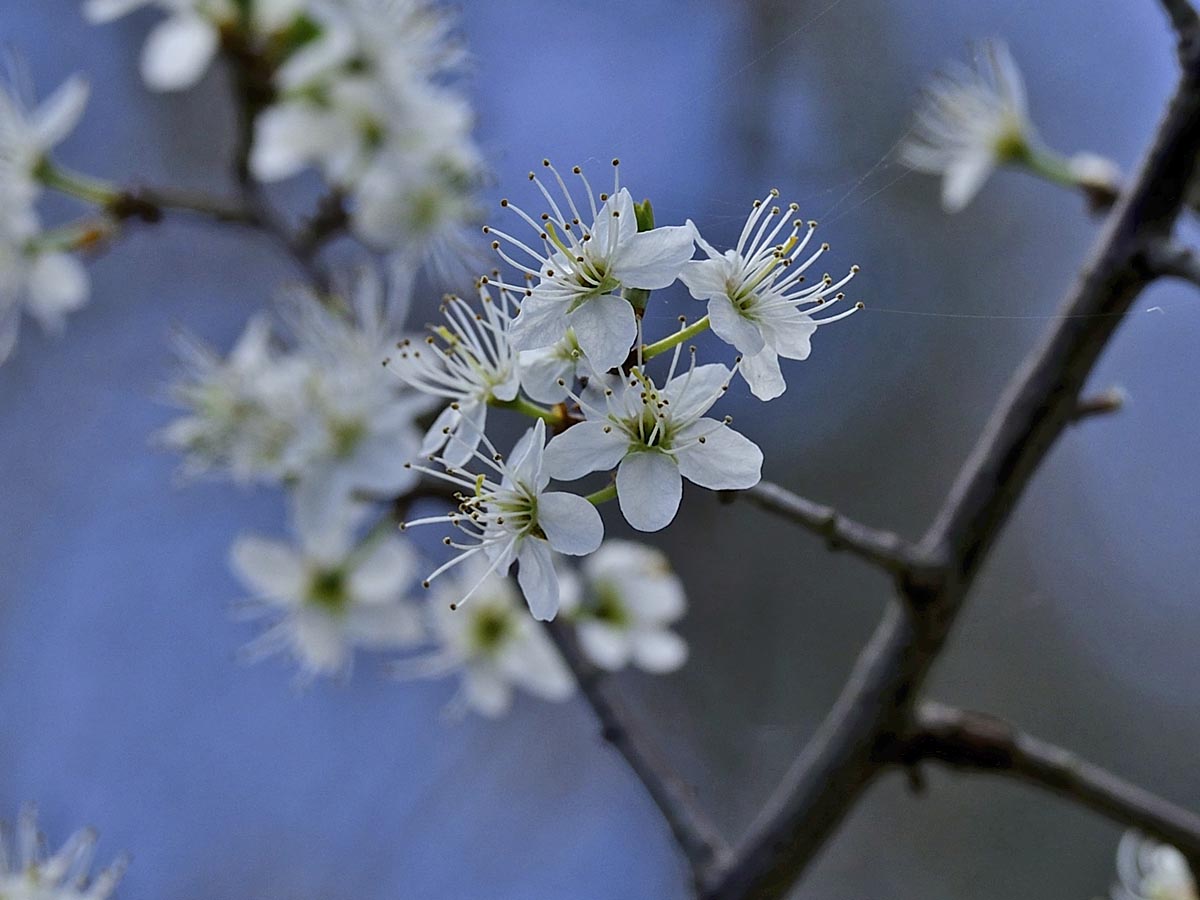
1102,404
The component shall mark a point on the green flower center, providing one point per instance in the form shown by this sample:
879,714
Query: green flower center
490,628
327,589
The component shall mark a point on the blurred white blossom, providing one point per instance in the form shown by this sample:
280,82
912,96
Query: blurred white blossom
27,873
580,270
330,593
491,643
629,599
758,300
507,515
655,437
972,120
36,274
1148,870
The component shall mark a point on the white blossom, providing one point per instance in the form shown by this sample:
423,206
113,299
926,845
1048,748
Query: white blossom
655,437
36,275
547,373
180,48
580,270
758,300
629,600
330,594
491,643
468,362
1148,870
972,121
27,873
507,515
243,411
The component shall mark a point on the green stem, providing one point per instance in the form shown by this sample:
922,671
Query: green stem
73,236
85,187
603,495
1049,165
652,350
528,408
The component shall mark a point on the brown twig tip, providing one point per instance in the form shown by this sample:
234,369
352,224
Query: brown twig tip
1103,404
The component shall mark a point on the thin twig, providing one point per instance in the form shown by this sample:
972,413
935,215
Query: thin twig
861,733
1103,404
975,742
697,836
1169,259
882,548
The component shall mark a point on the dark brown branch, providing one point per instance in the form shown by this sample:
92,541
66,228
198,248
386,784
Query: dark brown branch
882,548
864,728
1183,18
695,833
975,742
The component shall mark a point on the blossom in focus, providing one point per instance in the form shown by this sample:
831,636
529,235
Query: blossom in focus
758,299
330,593
507,515
582,261
972,120
629,600
490,642
27,873
549,372
1148,870
36,274
467,362
655,437
180,48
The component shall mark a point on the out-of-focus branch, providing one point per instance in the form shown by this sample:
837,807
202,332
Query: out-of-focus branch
695,833
1169,259
861,736
1184,18
976,742
882,548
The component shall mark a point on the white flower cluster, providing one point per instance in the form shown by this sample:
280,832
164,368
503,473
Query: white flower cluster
1148,870
576,341
357,89
27,873
37,273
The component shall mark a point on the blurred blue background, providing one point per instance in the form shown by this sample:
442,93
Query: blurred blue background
122,704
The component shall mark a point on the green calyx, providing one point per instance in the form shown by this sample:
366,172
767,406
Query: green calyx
327,589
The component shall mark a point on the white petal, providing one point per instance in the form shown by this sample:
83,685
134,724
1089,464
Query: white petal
436,437
649,489
583,448
59,113
540,372
541,323
763,374
605,646
10,327
380,626
97,12
732,327
377,465
388,568
486,692
659,651
705,278
963,180
58,284
177,52
525,461
572,524
726,461
653,259
535,664
606,328
626,220
791,334
269,568
287,138
320,642
537,578
693,392
464,437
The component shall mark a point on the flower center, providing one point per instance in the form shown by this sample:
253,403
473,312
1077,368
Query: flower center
327,589
608,607
346,435
490,628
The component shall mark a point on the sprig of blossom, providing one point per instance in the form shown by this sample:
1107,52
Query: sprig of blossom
331,593
506,514
1148,870
491,643
581,271
758,300
27,873
629,599
655,437
976,119
35,273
